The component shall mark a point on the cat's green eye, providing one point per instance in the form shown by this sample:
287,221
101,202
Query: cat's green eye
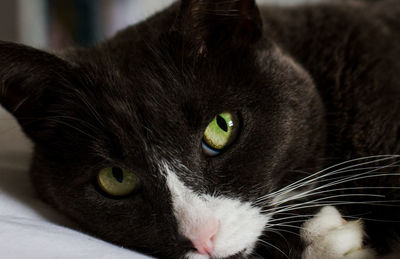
220,133
117,182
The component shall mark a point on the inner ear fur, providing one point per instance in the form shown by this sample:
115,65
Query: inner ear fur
220,24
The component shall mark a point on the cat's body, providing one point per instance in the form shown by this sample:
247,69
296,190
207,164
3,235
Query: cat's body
310,87
358,62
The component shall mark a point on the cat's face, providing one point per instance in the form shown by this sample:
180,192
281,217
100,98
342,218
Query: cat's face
144,108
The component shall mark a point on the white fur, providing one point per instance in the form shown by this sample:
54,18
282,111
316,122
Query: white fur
241,224
329,236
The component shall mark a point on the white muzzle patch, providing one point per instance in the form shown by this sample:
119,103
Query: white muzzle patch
240,224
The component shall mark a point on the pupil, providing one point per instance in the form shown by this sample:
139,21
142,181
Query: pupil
222,123
118,174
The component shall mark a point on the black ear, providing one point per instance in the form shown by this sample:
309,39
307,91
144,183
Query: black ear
234,24
29,79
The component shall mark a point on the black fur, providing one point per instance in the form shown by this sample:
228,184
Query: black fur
312,86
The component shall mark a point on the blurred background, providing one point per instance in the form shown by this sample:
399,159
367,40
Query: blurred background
55,24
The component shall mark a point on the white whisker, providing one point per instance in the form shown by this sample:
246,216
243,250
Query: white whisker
271,245
282,230
336,203
312,178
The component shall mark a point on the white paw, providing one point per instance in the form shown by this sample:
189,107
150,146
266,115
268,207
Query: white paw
328,236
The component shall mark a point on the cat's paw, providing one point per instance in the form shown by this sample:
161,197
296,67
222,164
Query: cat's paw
328,236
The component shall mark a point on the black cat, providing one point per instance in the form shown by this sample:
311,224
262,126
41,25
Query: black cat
217,129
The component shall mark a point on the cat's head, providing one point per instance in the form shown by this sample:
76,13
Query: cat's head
166,138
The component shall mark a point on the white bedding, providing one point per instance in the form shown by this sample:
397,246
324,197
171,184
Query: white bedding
29,228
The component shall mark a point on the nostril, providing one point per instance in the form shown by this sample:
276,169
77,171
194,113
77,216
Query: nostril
204,238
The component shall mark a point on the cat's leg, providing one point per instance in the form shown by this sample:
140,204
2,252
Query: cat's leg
328,236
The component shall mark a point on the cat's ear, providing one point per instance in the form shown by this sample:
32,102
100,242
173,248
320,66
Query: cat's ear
234,24
26,74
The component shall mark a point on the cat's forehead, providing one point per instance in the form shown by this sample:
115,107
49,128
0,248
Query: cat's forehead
163,86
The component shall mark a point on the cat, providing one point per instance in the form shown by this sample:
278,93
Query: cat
223,129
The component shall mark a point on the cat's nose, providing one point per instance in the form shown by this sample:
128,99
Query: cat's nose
204,239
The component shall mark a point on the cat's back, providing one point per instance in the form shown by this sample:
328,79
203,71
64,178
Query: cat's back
351,50
329,25
337,39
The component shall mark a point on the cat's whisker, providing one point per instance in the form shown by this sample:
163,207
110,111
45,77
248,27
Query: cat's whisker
379,158
310,194
307,216
336,203
333,190
347,171
290,226
331,179
281,208
273,246
281,230
291,217
288,222
371,173
342,179
343,195
272,230
310,179
374,220
341,170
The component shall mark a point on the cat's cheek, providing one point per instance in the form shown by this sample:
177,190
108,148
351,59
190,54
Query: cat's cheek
217,226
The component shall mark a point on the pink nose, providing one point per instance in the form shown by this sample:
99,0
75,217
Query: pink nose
203,239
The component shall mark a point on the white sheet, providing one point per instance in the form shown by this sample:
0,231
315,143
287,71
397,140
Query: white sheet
29,228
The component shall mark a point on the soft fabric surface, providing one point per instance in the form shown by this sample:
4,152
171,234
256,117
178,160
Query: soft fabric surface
29,228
